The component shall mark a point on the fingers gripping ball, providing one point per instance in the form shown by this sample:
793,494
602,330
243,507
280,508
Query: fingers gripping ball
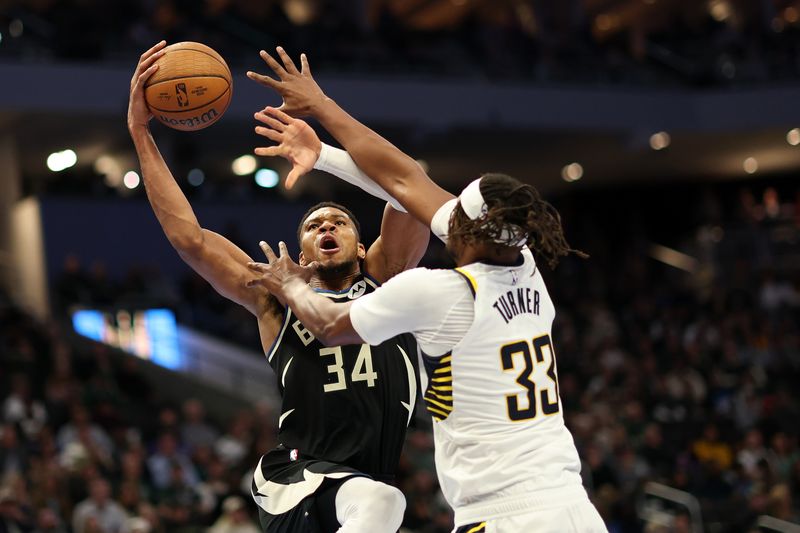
191,88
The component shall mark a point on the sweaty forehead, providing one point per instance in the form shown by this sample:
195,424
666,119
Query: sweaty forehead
325,213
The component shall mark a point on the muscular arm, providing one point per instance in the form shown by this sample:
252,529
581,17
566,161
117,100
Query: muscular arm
215,258
400,246
397,173
329,322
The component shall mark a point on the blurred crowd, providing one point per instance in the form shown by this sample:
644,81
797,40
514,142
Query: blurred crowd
87,444
683,378
632,42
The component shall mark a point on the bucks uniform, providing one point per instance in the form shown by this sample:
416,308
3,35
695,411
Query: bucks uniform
505,460
344,413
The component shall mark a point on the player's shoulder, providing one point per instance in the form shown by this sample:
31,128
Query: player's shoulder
426,276
426,282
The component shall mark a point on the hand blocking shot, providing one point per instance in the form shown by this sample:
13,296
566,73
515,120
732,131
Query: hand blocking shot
505,460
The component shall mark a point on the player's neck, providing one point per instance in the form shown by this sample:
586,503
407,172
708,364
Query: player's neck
334,282
488,253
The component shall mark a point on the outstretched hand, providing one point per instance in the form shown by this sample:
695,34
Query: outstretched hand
279,271
138,112
300,93
297,141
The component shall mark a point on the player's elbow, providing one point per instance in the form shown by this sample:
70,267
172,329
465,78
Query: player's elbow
188,243
328,335
338,331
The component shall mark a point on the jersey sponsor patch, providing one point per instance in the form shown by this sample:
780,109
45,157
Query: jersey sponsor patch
357,290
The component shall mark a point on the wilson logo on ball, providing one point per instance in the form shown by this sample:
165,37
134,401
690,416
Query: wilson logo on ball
190,122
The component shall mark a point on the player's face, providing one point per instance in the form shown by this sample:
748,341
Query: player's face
330,237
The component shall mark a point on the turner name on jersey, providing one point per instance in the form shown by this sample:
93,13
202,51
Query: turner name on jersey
513,303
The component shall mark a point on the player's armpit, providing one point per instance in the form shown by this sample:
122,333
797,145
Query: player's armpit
401,245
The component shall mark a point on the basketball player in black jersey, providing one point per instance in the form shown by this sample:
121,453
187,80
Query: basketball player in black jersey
344,409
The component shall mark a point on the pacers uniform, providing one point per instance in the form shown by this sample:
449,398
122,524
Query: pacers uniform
505,460
344,413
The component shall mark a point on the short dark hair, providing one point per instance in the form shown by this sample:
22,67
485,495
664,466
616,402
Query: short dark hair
320,205
516,205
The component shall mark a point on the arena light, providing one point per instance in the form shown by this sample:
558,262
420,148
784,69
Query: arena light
720,10
15,28
660,140
750,165
793,136
196,177
267,178
791,15
572,172
58,161
244,165
109,167
131,179
605,22
673,258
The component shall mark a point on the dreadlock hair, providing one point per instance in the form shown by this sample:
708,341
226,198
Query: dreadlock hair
320,205
515,211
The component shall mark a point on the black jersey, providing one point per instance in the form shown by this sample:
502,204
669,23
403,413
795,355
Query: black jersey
345,404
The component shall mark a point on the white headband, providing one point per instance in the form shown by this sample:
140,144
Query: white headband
475,207
472,201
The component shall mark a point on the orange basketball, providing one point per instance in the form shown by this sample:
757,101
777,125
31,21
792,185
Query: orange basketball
191,88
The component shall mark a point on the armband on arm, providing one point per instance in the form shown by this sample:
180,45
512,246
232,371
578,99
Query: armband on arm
339,163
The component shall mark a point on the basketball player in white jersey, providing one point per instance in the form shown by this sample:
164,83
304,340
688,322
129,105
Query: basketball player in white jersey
506,461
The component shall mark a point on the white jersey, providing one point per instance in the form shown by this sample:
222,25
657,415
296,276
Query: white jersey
501,444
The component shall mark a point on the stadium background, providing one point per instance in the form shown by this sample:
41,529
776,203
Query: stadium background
663,130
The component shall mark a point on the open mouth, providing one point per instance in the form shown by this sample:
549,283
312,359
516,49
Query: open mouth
328,245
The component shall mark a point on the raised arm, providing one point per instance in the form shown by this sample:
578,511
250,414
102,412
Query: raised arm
403,239
219,261
390,168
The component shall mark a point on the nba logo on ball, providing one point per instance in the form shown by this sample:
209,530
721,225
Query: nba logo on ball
294,454
184,69
180,92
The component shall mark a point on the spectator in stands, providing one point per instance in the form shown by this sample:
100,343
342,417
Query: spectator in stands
21,408
161,464
13,452
752,453
709,448
48,522
15,514
81,431
195,431
132,472
782,455
99,512
179,502
234,518
232,447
